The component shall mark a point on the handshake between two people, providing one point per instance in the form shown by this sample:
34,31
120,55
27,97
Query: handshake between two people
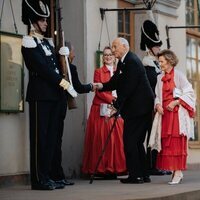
67,86
96,86
64,51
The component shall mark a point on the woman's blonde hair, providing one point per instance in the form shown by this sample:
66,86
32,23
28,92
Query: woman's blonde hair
107,47
169,56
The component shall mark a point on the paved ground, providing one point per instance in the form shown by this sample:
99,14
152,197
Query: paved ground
158,189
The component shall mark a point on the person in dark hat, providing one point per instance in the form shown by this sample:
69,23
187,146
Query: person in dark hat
45,91
151,43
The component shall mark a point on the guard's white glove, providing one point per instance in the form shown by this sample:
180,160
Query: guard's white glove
72,91
66,86
64,51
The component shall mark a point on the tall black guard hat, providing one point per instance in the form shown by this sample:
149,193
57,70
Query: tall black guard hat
149,35
33,10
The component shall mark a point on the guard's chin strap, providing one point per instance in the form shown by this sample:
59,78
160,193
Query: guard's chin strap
42,32
32,28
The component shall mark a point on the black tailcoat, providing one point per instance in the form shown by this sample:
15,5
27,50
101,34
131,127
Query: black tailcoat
135,96
135,101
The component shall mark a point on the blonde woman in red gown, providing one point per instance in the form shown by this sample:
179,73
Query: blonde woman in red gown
177,111
98,128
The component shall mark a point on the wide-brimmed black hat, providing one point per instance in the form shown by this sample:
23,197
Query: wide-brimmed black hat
149,35
34,10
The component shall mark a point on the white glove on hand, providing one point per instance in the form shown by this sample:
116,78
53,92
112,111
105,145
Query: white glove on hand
72,91
64,51
66,86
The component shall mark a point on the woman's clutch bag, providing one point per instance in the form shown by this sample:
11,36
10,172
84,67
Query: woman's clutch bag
105,110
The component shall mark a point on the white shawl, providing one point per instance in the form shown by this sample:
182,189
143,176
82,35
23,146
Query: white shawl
186,123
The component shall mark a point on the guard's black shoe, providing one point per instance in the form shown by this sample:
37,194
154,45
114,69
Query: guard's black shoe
132,180
43,185
146,179
65,182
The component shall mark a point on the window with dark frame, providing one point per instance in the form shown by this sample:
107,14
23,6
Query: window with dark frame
126,23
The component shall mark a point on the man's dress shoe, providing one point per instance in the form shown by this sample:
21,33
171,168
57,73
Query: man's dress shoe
132,180
106,176
65,182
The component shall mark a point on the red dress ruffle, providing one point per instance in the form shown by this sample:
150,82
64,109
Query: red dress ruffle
97,130
174,145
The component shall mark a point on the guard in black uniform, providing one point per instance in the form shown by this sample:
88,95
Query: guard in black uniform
151,43
57,172
45,91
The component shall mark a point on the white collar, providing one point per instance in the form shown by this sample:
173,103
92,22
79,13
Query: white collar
123,57
109,67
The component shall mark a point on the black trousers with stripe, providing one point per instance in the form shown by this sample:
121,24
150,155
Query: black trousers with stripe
57,172
44,120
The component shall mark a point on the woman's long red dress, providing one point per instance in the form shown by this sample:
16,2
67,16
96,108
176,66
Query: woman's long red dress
174,145
98,128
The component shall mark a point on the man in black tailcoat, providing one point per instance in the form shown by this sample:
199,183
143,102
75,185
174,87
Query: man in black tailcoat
134,103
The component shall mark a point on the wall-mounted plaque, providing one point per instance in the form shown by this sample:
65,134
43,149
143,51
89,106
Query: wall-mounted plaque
11,73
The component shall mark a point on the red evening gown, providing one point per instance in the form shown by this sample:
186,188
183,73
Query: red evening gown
174,145
97,130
